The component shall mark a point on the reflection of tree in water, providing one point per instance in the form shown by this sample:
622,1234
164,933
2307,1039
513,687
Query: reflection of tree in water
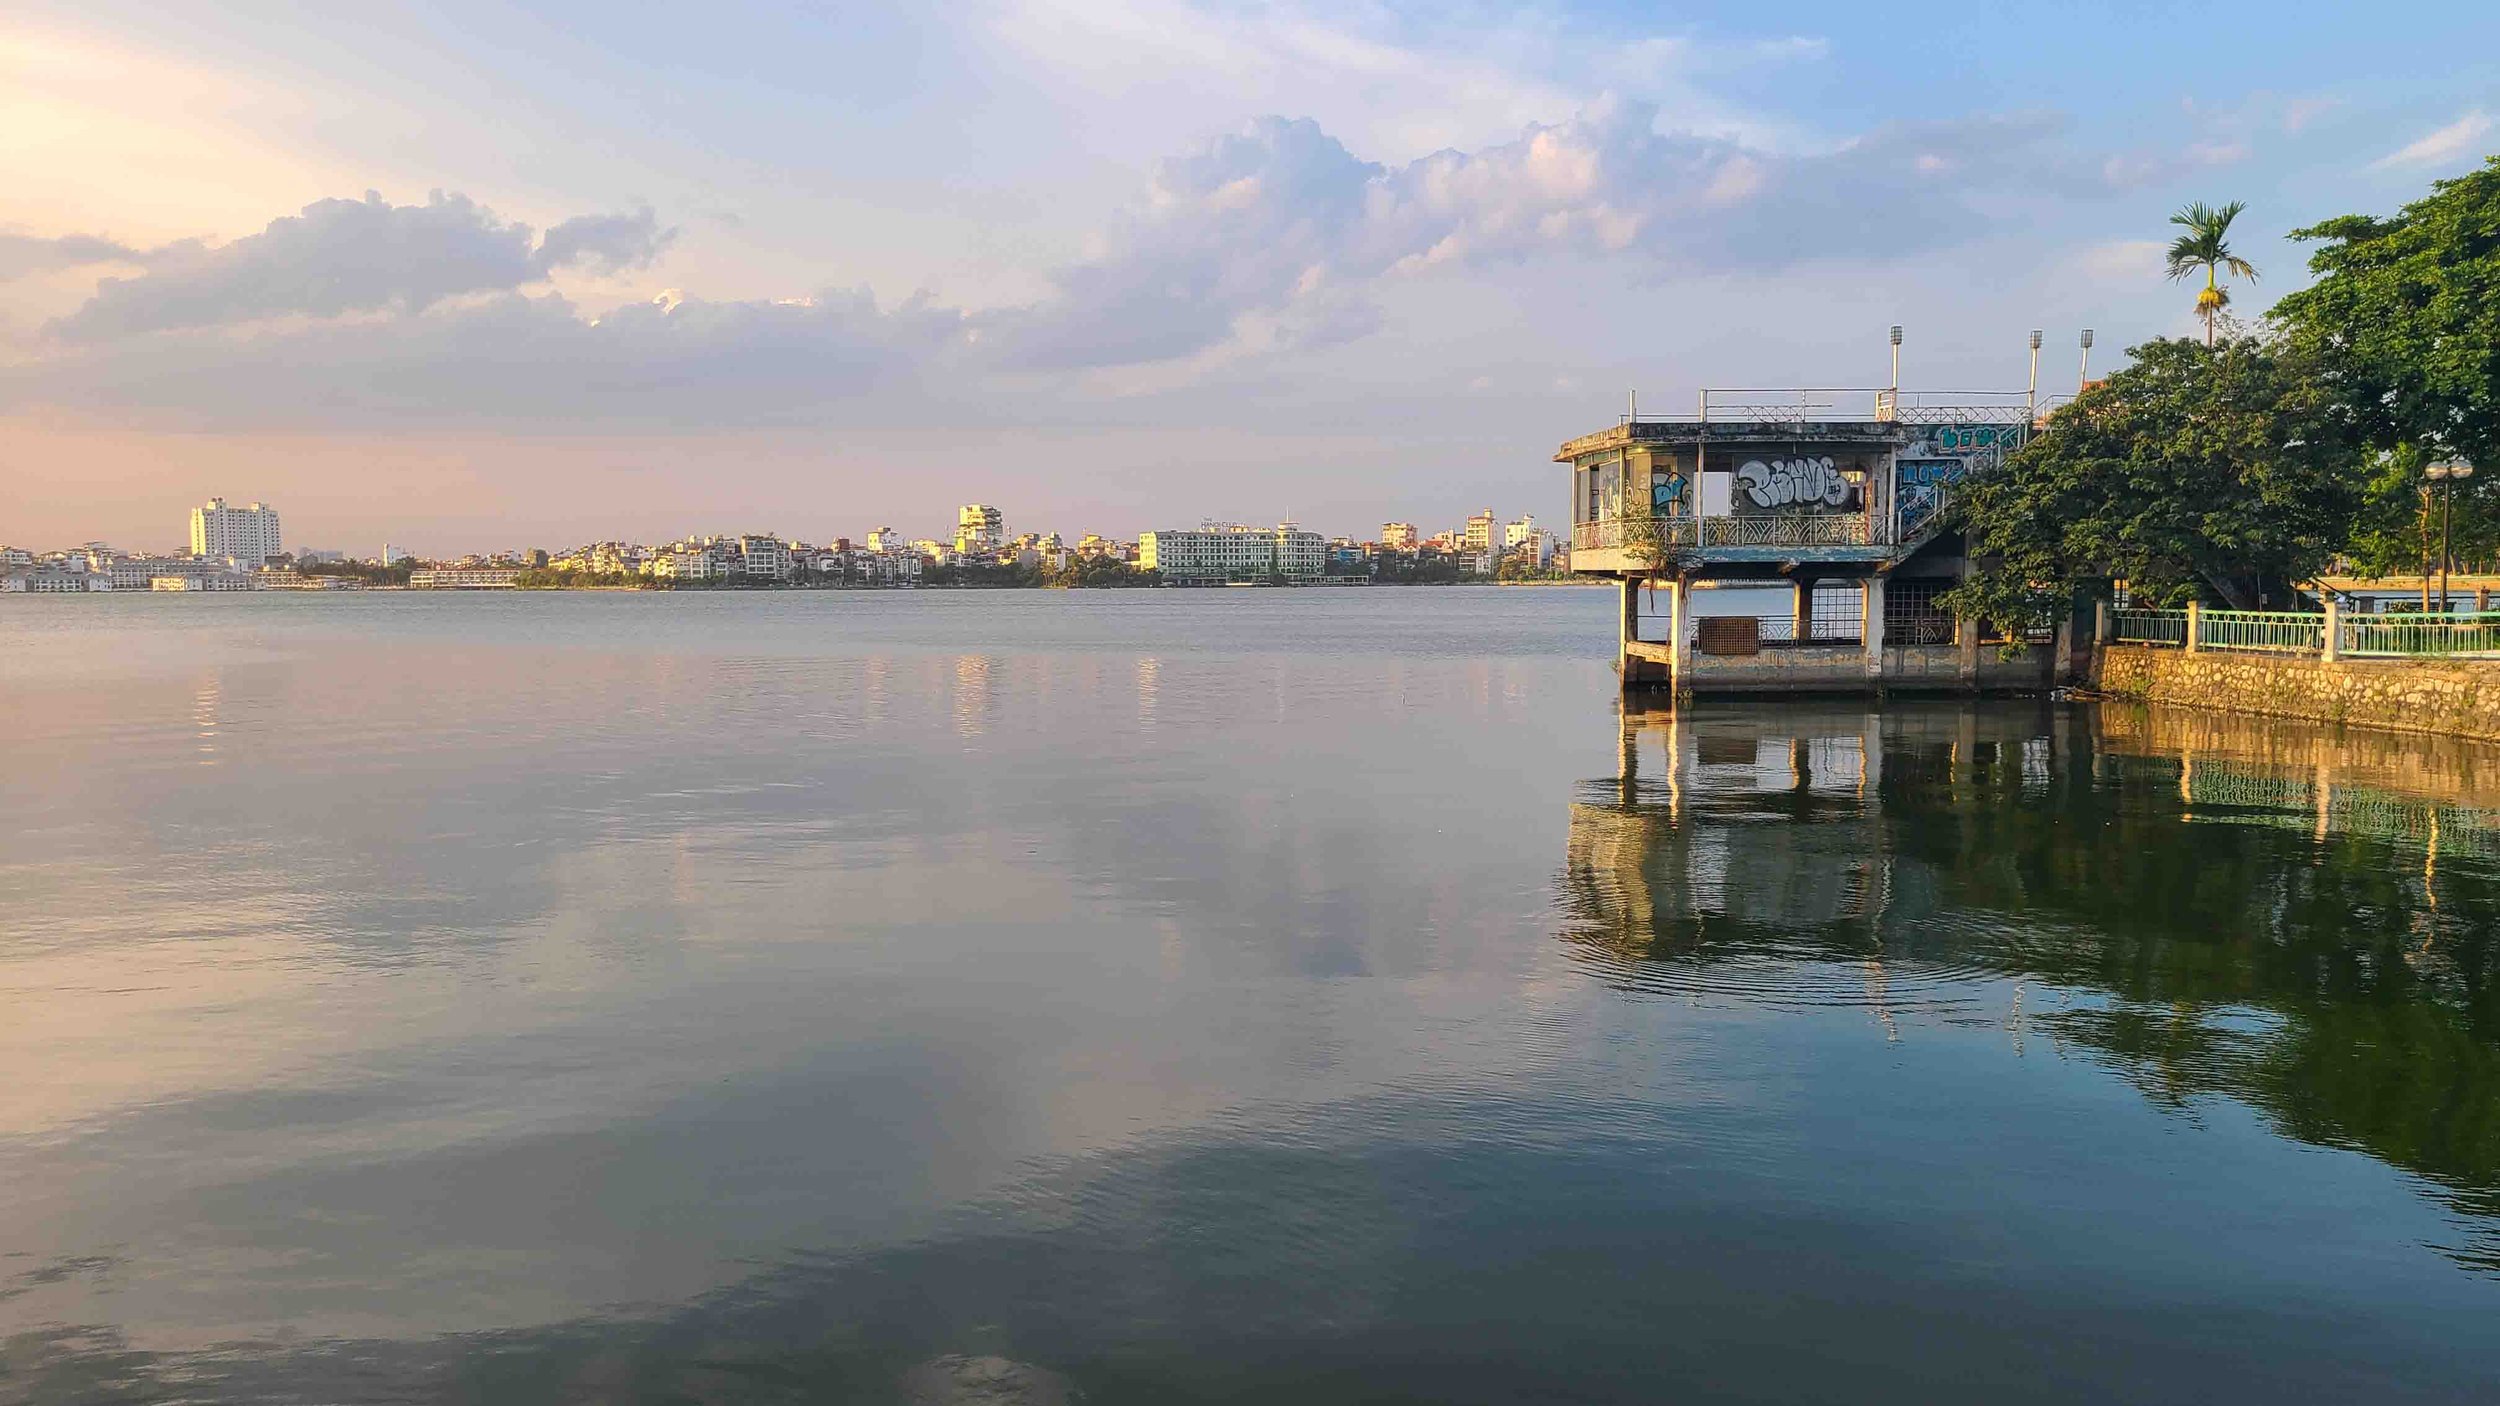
2296,944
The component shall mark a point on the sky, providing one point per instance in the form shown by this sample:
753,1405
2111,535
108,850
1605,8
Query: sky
466,277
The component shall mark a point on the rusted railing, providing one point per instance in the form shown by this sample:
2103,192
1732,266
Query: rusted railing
1740,530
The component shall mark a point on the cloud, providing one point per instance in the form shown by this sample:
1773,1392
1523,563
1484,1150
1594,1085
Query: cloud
1270,239
2458,139
355,256
513,360
22,254
605,243
2122,261
1280,230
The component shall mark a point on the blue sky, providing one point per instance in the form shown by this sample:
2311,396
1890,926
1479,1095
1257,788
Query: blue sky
469,275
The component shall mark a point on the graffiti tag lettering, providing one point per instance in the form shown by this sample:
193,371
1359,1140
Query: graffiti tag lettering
1780,483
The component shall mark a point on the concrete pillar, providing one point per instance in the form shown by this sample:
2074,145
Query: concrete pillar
1872,626
2195,624
1627,629
2103,628
1679,631
2482,599
1966,647
2063,666
2331,644
1805,610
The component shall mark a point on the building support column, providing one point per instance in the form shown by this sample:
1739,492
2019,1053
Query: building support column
1628,629
1871,627
2195,624
2331,643
1966,644
1679,631
1805,610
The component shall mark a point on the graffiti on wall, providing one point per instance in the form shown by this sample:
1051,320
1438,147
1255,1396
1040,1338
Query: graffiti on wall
1930,473
1966,439
1666,491
1801,482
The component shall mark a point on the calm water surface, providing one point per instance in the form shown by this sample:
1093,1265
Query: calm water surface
1248,996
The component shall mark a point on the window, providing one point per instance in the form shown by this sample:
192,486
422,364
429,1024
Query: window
1837,611
1911,615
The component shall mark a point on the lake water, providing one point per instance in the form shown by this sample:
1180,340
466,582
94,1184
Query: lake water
1300,996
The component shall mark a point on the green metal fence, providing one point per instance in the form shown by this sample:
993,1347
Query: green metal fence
2406,636
2414,636
2149,626
2279,631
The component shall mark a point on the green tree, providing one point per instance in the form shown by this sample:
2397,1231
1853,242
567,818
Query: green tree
2206,248
2188,473
2403,326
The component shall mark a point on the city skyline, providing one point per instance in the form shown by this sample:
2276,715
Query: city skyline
423,272
242,548
207,535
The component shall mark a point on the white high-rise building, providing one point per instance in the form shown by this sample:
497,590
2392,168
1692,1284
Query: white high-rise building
246,534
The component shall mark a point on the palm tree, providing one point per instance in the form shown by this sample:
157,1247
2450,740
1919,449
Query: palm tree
2206,246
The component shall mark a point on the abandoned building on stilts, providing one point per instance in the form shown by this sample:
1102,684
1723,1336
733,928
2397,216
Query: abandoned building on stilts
1797,541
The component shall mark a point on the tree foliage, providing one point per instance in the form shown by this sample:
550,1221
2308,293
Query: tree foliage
1094,572
2190,472
2403,321
2403,328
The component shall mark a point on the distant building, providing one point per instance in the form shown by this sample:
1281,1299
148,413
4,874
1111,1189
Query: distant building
464,578
1217,553
1478,535
980,530
764,558
883,539
204,581
141,573
1398,536
249,535
1529,542
58,582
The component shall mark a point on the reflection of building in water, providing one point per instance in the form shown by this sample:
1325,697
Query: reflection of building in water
1795,822
1743,821
1727,819
972,694
2305,921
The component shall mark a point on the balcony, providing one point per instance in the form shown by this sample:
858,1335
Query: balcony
1741,531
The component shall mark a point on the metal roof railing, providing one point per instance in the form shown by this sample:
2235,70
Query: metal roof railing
1878,404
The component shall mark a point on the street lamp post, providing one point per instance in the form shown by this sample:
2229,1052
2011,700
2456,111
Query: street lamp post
2446,474
2031,393
2083,368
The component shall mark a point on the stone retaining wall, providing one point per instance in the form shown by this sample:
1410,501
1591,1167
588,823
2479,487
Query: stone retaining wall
2453,698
